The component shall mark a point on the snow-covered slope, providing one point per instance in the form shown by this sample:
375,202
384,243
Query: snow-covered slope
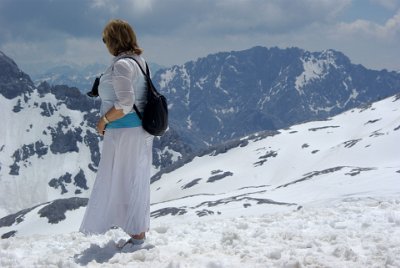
48,148
352,154
317,194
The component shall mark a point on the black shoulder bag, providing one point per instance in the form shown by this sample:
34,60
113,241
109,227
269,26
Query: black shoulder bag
155,115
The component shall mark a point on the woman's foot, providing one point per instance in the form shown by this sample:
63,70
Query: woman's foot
131,241
137,239
140,236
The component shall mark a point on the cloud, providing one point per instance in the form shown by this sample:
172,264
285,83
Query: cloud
388,4
111,5
42,19
80,18
142,6
240,16
390,31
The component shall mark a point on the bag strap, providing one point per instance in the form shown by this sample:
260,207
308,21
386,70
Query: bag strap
146,74
137,112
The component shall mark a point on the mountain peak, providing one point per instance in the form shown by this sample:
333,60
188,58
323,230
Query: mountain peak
13,81
230,94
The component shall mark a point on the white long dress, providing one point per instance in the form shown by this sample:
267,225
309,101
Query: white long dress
121,193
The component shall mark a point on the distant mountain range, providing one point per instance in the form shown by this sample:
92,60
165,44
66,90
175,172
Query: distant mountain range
50,149
81,77
231,94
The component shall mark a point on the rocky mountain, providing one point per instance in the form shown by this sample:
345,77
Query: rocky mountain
13,81
231,94
48,146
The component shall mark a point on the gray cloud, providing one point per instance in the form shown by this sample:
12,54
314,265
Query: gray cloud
232,16
82,18
42,19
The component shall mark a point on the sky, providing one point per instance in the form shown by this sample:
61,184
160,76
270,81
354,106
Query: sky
39,34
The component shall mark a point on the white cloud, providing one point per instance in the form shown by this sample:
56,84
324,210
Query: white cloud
274,16
388,4
389,31
141,6
111,5
124,6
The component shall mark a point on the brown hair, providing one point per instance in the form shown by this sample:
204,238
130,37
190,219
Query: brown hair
120,37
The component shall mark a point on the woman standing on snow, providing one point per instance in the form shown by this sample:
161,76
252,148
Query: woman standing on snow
121,194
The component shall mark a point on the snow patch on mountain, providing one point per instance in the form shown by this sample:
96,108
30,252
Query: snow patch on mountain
167,77
315,67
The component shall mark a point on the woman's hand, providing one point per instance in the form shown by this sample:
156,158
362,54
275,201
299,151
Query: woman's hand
111,115
101,126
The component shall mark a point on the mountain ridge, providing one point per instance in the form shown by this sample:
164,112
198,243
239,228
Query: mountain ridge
81,77
230,94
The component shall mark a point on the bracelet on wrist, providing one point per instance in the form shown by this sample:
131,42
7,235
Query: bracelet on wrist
105,119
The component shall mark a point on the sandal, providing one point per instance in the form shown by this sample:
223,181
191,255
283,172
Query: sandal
122,243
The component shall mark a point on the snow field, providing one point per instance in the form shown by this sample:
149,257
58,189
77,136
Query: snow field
36,172
362,232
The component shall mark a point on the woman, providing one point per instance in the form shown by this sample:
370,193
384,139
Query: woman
121,193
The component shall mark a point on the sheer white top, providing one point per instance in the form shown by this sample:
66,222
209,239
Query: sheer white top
122,85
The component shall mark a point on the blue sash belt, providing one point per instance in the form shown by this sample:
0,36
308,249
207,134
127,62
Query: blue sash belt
129,120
